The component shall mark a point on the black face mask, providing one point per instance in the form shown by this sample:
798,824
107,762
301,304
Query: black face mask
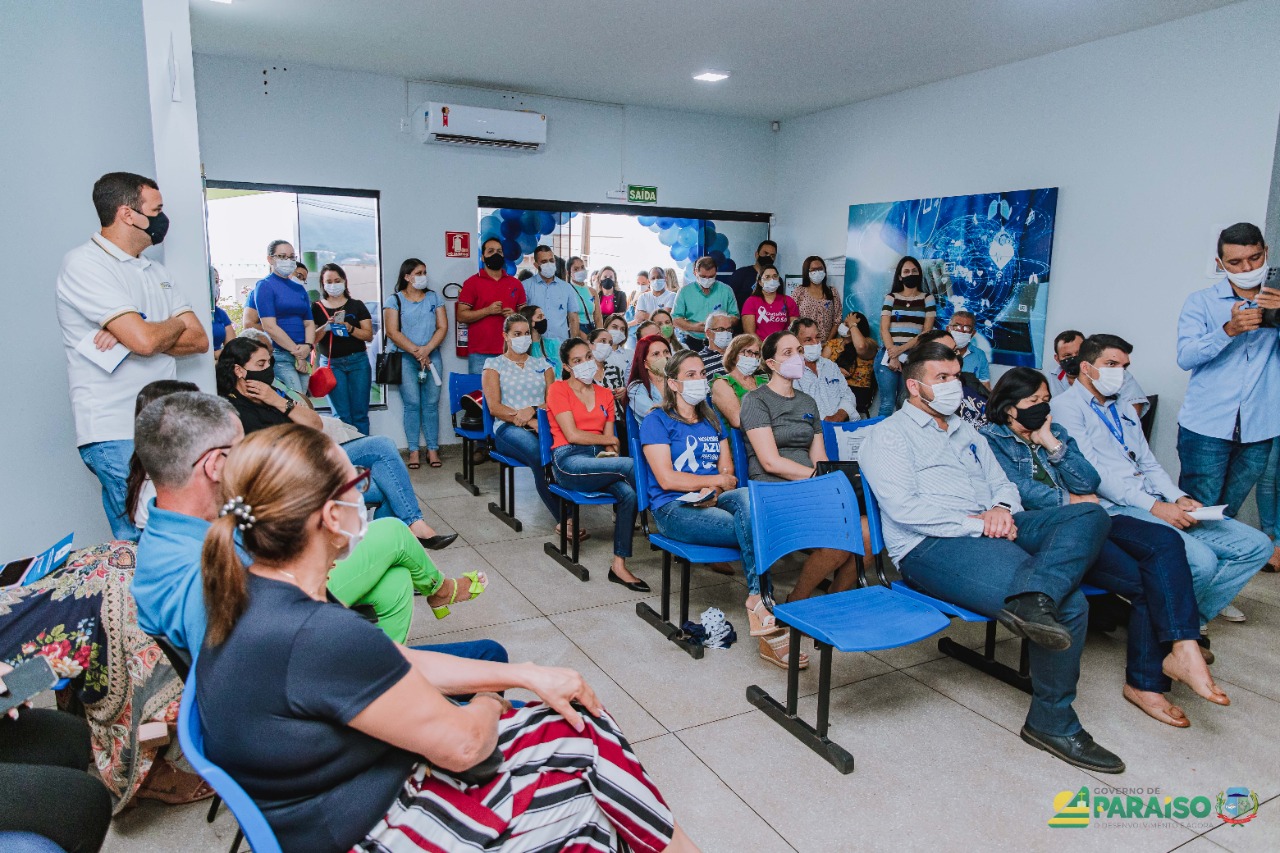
1033,417
495,261
911,282
1070,365
266,375
157,226
606,283
764,259
540,327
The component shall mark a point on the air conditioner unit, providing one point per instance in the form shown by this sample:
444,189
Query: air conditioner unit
463,125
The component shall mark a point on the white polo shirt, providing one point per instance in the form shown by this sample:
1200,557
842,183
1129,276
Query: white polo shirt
99,282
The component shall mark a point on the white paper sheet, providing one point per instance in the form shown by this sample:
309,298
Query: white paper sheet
108,360
1208,513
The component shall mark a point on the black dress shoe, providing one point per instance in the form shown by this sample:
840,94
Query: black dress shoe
636,585
438,543
1078,749
1034,616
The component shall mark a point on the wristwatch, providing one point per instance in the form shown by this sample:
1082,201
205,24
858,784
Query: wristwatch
1004,506
290,405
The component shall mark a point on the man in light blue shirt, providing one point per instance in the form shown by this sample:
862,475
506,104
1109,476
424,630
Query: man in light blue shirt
955,526
972,359
556,298
1232,409
1223,554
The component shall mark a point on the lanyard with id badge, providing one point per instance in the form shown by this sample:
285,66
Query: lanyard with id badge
1116,429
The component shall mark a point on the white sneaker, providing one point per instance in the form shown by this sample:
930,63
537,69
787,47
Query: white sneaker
1232,614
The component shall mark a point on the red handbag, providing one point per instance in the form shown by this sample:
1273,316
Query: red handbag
322,380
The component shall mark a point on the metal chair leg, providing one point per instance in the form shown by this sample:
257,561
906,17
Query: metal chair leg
662,621
986,661
561,554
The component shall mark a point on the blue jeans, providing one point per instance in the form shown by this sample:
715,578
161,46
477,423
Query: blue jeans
578,468
888,384
727,525
1223,555
473,649
519,443
1216,471
421,399
109,462
286,372
350,397
476,360
1147,564
1269,492
1054,549
390,479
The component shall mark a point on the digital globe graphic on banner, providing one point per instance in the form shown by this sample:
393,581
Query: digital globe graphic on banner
989,254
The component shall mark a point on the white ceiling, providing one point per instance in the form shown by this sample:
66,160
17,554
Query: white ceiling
787,58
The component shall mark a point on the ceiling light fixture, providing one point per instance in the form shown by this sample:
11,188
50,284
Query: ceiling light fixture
712,76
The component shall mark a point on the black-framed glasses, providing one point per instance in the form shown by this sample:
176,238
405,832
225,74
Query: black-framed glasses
360,483
201,457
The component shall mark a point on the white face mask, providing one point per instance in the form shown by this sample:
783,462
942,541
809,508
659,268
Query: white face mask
284,269
748,365
722,339
1248,280
585,372
769,285
817,276
946,397
962,339
420,282
1110,380
354,539
812,352
705,282
520,344
335,288
580,276
658,285
693,391
618,336
601,351
547,270
843,331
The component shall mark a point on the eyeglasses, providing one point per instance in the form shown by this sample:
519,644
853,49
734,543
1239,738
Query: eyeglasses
201,457
285,257
360,483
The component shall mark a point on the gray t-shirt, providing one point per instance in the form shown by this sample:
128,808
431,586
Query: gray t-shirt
794,421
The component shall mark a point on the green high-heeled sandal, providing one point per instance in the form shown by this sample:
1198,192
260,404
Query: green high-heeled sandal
479,582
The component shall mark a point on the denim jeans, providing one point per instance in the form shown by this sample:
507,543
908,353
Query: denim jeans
578,468
727,525
1147,564
888,384
378,453
350,397
1223,555
473,649
421,399
1269,492
1216,471
476,360
109,462
519,443
286,372
1054,549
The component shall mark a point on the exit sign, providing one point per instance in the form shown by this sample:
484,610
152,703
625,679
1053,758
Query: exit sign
642,195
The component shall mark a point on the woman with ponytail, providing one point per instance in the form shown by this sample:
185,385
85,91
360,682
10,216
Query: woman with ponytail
344,738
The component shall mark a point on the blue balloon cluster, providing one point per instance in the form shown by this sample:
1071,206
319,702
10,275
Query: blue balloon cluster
520,230
690,239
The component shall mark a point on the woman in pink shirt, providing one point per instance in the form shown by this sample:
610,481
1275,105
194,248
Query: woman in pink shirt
766,310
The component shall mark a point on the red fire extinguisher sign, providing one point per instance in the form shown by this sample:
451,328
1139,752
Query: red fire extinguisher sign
457,244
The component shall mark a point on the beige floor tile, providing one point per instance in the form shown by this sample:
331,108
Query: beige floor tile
156,828
500,603
1263,586
1260,835
704,806
1247,652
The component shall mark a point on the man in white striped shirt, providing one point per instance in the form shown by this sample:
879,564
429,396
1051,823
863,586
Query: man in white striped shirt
954,525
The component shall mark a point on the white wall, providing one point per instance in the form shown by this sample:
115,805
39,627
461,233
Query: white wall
1152,138
76,89
321,127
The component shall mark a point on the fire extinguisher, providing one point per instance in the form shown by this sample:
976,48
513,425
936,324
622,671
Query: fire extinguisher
451,291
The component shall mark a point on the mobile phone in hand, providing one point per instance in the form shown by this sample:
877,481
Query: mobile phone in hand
26,681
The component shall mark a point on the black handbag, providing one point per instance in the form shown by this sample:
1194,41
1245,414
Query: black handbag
388,368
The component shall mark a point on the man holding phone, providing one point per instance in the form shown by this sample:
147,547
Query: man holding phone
1230,416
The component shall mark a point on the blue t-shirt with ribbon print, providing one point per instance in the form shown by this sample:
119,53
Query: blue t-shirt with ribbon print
695,449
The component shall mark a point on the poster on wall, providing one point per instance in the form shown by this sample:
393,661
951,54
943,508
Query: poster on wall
988,254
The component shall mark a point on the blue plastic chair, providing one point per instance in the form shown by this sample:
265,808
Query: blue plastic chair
567,554
738,447
460,385
505,508
253,826
831,431
682,552
823,512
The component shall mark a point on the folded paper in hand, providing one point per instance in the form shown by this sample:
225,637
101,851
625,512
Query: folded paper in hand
1208,513
108,360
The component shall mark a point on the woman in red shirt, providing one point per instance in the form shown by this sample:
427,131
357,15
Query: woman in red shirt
584,455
